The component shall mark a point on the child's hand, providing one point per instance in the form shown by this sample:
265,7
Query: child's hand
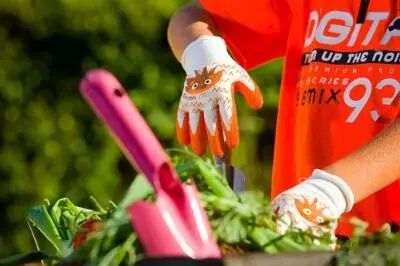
314,204
207,109
297,209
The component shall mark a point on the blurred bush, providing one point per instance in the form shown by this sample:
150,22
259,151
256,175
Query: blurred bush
52,145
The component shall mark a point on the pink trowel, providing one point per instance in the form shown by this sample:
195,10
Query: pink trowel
176,224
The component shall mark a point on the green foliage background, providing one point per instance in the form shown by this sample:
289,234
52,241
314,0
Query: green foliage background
51,144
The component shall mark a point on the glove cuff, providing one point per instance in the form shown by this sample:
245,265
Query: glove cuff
335,188
204,51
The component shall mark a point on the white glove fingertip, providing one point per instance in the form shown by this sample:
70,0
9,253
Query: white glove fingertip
180,117
245,78
226,111
210,117
194,119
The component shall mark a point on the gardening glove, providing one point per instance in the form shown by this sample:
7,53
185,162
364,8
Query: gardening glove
207,109
315,204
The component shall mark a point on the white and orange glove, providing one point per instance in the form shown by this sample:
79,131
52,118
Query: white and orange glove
315,204
207,109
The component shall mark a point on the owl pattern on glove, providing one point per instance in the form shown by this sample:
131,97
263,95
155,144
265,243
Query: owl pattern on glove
207,108
302,212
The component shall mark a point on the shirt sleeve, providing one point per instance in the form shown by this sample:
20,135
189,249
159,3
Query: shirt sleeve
255,30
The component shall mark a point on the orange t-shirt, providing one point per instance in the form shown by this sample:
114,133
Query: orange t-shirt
340,84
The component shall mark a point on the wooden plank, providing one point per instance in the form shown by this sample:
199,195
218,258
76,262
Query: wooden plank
283,259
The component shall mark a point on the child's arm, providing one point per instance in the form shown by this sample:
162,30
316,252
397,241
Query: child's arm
372,167
207,113
327,194
189,23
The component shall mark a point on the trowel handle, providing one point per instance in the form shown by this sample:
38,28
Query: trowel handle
111,103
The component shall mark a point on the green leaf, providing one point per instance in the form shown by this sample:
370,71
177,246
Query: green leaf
139,189
32,257
68,217
40,218
117,254
214,180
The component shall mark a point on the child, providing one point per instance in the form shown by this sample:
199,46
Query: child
338,120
